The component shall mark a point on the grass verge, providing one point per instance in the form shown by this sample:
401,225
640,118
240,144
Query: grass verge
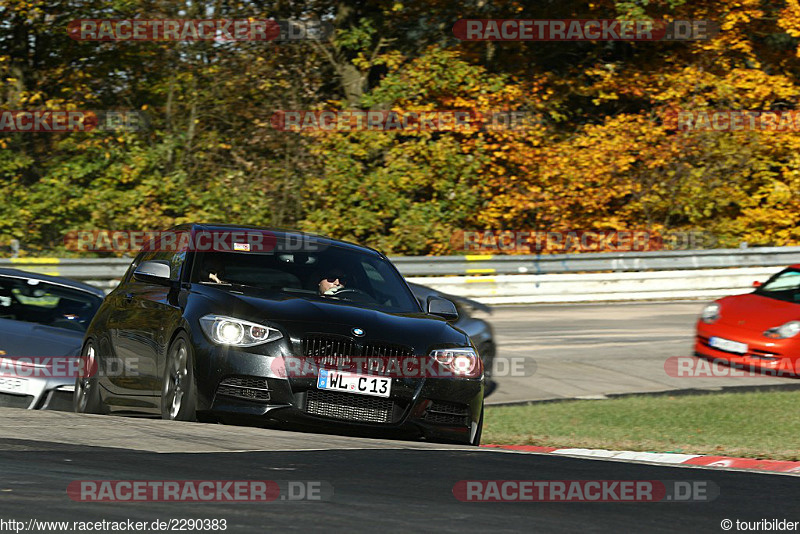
751,424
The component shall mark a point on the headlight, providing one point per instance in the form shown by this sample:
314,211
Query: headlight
710,313
230,331
790,329
461,362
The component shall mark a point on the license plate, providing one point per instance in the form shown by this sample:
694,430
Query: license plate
728,345
12,384
378,386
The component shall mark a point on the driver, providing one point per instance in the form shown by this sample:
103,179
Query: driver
333,282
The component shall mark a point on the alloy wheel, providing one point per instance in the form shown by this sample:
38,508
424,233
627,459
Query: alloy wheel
177,378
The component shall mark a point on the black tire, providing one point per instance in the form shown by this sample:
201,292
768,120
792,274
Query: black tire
178,389
476,441
86,398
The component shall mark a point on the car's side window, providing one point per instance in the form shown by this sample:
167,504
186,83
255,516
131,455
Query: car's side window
136,261
376,280
176,262
786,281
372,273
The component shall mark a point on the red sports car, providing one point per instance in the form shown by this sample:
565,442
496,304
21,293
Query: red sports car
759,330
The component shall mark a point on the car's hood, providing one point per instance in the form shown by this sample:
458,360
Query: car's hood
756,312
18,338
307,315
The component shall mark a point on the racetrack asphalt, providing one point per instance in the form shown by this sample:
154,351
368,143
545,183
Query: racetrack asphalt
597,350
387,489
391,485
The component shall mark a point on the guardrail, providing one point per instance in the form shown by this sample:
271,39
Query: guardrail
597,262
600,287
533,278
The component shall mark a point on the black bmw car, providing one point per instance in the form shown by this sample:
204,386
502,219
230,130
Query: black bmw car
306,331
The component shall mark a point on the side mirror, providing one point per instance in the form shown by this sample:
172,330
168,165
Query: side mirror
443,308
756,284
153,272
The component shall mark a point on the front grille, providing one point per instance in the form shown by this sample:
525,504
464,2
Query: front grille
245,387
15,401
345,353
349,407
331,351
447,413
387,350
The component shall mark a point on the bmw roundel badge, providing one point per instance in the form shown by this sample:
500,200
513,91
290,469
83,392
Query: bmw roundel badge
358,332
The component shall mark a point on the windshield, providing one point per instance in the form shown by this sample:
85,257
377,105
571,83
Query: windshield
34,301
783,286
336,274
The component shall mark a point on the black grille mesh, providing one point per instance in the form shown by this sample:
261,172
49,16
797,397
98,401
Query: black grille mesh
447,413
315,346
245,387
349,407
331,351
387,350
341,353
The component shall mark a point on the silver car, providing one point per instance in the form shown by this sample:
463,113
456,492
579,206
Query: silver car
42,322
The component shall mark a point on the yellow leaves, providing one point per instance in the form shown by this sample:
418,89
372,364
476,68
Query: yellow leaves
393,59
790,18
735,18
362,62
602,95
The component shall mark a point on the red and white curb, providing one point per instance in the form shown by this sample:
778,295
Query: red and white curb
725,462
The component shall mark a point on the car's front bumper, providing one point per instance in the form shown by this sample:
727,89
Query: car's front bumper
770,357
39,394
238,384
